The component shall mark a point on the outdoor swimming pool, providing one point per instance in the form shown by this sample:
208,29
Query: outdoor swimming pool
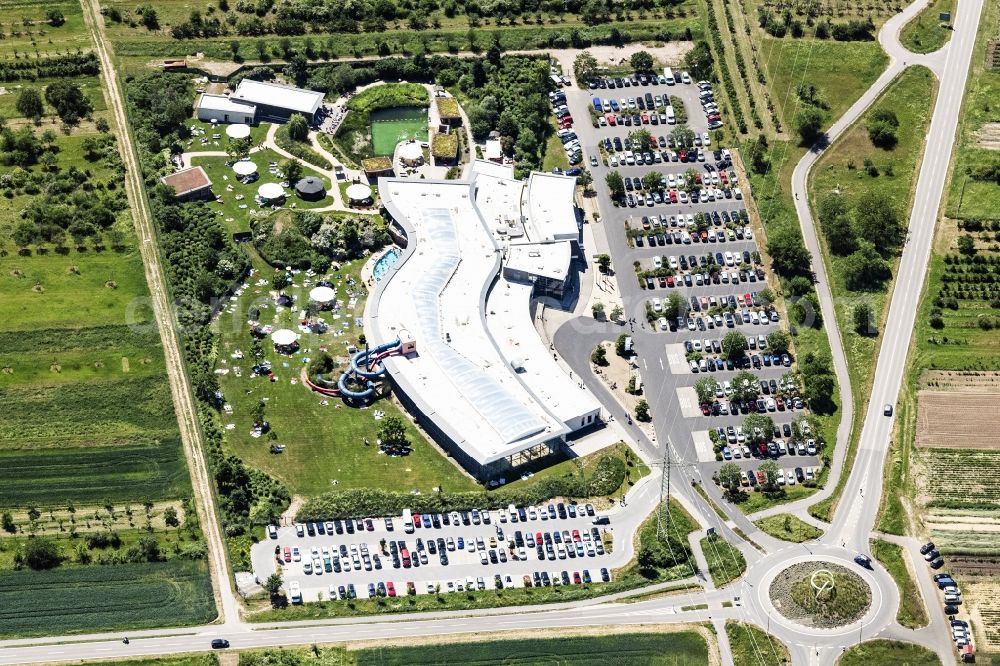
384,263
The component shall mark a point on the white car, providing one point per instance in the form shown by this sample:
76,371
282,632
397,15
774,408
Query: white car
663,323
307,567
657,305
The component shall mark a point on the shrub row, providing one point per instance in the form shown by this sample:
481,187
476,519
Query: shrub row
727,81
76,64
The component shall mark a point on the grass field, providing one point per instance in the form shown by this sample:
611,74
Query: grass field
968,198
888,652
926,32
555,154
177,660
725,562
90,85
38,37
390,126
912,612
325,439
678,648
750,645
788,527
96,598
841,72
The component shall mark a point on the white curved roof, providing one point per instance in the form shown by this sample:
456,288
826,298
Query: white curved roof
244,168
411,151
271,191
283,337
358,192
238,131
322,295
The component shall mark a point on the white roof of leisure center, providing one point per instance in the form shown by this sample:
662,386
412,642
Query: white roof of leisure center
480,372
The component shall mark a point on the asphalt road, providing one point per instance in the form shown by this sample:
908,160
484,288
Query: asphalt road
853,521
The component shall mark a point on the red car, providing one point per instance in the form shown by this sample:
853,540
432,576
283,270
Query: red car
705,409
576,535
673,196
612,119
779,402
724,177
670,280
405,556
576,577
416,520
390,589
683,154
747,298
761,479
645,119
538,538
663,281
288,554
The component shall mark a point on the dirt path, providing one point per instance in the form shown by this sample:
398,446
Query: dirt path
180,390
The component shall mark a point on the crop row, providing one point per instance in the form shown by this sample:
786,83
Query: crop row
964,478
741,67
727,80
92,598
126,472
52,340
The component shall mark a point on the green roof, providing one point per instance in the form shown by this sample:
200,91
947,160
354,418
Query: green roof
376,164
444,145
448,107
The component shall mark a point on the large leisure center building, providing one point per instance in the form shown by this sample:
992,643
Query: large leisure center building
478,376
256,101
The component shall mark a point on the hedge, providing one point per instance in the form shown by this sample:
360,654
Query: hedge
607,477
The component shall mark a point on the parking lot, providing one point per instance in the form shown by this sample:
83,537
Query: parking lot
681,227
564,545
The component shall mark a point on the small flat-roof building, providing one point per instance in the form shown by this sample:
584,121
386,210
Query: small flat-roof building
275,101
551,210
223,109
493,151
189,184
545,265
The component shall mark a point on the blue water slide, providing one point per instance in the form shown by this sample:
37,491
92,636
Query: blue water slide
360,363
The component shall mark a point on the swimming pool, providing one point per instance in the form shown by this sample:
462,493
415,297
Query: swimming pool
384,263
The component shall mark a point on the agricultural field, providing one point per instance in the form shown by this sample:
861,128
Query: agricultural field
94,598
954,419
959,478
969,198
32,28
328,445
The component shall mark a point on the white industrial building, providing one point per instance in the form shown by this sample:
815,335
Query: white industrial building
480,380
255,101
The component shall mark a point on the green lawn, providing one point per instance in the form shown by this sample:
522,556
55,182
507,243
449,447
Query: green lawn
177,660
98,598
750,645
757,501
390,126
926,32
888,652
325,439
725,562
555,154
911,611
582,467
90,85
788,527
223,178
841,72
968,198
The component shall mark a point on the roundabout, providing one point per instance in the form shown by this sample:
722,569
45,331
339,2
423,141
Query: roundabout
820,594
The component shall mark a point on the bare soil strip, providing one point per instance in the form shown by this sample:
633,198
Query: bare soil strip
958,420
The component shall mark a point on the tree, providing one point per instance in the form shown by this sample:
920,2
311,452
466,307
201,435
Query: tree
273,584
787,251
298,127
819,392
620,344
642,411
616,184
836,224
604,262
239,149
170,517
757,428
7,523
882,127
734,345
877,220
257,413
68,100
641,140
746,386
808,123
616,313
863,318
756,153
779,341
682,136
29,103
150,19
770,470
41,553
641,61
865,269
730,475
967,245
55,17
293,171
597,309
674,306
698,61
584,67
599,356
651,181
706,389
392,433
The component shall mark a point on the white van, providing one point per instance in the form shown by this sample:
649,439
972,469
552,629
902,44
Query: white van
670,116
407,521
294,593
668,74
